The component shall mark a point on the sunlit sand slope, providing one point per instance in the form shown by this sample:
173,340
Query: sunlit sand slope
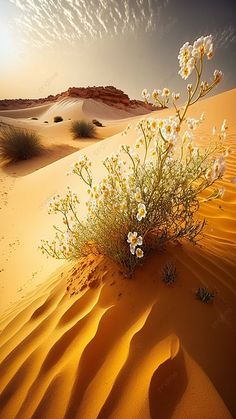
118,348
124,349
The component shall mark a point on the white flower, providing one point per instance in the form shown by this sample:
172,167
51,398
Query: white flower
139,253
208,46
134,241
141,212
185,53
165,92
155,94
145,94
132,249
184,72
170,129
175,96
153,124
186,61
138,195
187,69
203,46
217,76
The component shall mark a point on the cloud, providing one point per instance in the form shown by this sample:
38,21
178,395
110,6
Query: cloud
225,37
43,22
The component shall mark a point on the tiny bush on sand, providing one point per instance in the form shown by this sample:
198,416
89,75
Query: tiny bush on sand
83,129
19,144
57,119
204,295
150,193
169,273
97,123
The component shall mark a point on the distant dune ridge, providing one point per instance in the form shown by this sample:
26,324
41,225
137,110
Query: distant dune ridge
108,95
117,348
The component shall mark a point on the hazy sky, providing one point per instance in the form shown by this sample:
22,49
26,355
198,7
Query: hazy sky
47,46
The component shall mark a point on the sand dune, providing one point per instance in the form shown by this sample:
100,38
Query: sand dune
56,137
34,111
117,348
72,108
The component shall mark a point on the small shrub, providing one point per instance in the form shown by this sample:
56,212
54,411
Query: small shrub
57,119
97,123
34,118
45,122
19,144
150,194
83,129
205,295
169,273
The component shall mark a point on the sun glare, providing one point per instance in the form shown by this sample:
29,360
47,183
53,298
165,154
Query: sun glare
8,47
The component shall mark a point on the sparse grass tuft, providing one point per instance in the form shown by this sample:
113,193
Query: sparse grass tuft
83,129
19,144
169,273
57,119
97,123
203,294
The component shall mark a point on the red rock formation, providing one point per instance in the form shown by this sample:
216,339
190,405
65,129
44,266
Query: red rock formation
108,95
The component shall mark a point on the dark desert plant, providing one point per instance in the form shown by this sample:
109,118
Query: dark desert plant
83,129
45,122
19,144
169,273
204,295
34,118
97,123
57,119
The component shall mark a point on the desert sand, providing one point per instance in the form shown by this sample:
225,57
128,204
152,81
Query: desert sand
118,348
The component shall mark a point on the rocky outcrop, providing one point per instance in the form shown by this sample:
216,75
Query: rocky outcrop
108,95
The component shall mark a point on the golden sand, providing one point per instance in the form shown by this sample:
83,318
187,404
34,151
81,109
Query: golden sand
119,348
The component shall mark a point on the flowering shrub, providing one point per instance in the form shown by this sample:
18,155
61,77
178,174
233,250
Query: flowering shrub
150,194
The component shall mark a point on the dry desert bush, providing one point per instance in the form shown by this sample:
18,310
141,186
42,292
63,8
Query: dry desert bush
83,129
150,193
19,144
